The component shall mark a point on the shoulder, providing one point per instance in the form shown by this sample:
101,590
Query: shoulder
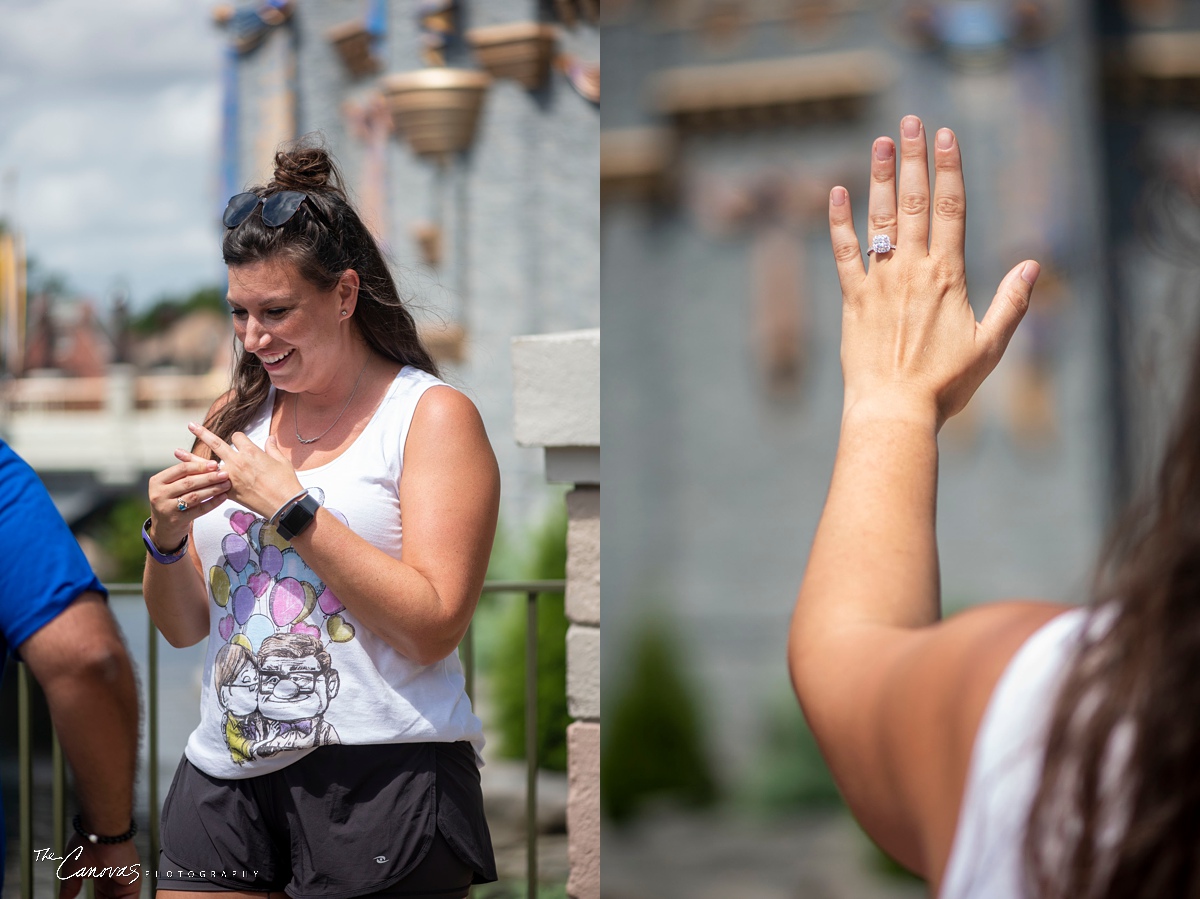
941,684
446,424
447,434
442,407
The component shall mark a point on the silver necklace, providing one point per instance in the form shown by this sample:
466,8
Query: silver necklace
296,411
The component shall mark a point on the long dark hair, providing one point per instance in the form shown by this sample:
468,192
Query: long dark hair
322,242
1117,813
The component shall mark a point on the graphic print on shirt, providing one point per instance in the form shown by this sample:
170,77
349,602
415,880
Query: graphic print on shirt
273,675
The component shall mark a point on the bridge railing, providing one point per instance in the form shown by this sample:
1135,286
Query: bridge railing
529,589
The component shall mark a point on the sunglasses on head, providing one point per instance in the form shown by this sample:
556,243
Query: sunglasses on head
277,208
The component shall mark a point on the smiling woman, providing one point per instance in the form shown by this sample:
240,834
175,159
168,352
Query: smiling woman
332,641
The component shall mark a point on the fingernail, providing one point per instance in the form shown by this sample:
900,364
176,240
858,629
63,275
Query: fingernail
883,149
945,139
192,426
1030,272
838,196
910,126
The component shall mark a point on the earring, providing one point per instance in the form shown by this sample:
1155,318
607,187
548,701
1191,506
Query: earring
344,312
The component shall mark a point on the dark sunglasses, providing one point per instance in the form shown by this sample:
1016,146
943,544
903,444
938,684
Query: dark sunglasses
277,208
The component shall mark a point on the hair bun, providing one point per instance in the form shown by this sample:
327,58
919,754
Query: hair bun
308,169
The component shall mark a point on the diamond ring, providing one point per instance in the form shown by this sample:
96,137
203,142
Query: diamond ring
182,506
881,243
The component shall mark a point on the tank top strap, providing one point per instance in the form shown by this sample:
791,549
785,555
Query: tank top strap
394,418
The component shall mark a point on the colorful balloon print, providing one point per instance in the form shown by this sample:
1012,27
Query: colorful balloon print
340,630
240,521
257,629
259,582
268,588
218,585
287,601
271,559
243,604
236,550
329,603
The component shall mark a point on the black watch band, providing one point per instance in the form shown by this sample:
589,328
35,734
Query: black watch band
301,514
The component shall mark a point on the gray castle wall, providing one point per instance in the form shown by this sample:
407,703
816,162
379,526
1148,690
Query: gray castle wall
520,211
719,486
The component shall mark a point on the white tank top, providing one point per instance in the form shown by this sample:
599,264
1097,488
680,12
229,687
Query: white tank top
288,668
986,860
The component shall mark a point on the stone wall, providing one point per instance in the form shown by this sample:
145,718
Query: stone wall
557,406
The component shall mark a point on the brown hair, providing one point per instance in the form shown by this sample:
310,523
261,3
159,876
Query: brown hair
323,239
295,646
231,658
1117,813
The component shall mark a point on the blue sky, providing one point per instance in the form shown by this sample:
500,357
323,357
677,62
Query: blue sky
110,119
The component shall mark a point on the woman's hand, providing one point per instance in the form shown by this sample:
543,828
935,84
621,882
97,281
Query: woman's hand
198,483
260,481
910,344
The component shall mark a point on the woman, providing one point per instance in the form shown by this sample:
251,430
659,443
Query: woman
1017,749
336,751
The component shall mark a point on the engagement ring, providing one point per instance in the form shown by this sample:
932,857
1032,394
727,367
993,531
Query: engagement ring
182,506
880,243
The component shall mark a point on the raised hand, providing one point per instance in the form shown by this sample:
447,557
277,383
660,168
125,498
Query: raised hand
181,494
260,481
910,341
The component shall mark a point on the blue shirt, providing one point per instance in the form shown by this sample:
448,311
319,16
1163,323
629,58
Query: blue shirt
42,568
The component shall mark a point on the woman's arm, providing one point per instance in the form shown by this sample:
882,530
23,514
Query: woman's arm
885,689
449,496
176,595
422,603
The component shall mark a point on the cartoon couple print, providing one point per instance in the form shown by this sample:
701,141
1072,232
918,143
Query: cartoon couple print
275,701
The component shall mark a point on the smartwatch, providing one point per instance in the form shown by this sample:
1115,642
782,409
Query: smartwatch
298,516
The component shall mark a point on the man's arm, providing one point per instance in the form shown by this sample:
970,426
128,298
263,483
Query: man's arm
80,661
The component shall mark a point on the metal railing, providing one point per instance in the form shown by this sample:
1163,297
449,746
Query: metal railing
530,589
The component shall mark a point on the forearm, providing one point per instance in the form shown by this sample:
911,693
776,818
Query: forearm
177,601
394,600
176,596
94,707
874,557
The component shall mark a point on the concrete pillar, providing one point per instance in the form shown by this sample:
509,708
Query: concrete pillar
556,396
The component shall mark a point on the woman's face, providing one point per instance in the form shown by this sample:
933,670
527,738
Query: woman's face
296,329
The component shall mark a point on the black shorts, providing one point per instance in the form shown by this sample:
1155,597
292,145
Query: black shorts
343,821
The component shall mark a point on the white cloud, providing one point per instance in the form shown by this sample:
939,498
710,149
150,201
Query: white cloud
111,121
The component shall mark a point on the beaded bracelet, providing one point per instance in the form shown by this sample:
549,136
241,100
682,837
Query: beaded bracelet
96,838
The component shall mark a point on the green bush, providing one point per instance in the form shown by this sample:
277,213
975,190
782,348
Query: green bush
653,738
791,773
120,536
504,662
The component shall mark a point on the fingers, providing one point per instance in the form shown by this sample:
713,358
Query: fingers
192,466
1008,307
242,443
846,251
881,204
912,229
274,451
220,448
195,493
949,227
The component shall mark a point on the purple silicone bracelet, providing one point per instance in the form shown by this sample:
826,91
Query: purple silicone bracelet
157,554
